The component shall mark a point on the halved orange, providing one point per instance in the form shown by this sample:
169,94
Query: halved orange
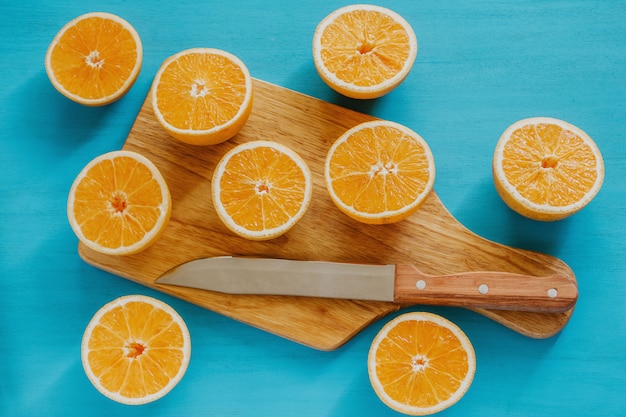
364,51
135,349
379,172
261,189
119,204
94,59
202,96
421,363
547,169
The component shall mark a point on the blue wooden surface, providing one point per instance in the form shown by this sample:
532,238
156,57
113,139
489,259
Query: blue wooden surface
481,66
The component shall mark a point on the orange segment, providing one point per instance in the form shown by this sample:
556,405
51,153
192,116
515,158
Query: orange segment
261,189
202,96
547,169
379,172
135,349
421,363
364,51
94,59
119,203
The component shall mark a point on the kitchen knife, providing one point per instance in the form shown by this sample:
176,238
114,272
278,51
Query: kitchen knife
402,283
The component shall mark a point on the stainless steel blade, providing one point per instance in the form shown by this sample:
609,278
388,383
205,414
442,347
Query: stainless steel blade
266,276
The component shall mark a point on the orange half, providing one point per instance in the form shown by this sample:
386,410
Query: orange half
202,96
547,169
261,189
379,172
119,204
94,59
421,363
135,349
364,51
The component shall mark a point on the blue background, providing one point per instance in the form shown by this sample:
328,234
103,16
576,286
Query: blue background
481,66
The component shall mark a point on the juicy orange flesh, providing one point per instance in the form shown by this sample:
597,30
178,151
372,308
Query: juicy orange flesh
117,202
364,47
200,91
262,188
379,169
420,363
94,58
135,349
549,165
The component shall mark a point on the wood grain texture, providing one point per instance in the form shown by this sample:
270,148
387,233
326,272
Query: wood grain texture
432,238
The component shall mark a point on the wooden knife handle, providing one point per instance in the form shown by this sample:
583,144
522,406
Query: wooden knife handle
492,290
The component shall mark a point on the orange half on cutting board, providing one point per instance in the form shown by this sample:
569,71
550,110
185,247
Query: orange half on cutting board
202,96
379,172
261,189
119,204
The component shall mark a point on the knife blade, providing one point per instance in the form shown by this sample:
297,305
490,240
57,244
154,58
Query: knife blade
402,283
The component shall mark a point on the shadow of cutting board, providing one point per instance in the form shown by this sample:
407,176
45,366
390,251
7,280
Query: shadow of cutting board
431,238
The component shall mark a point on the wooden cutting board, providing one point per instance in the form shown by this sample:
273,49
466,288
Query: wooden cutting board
432,238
